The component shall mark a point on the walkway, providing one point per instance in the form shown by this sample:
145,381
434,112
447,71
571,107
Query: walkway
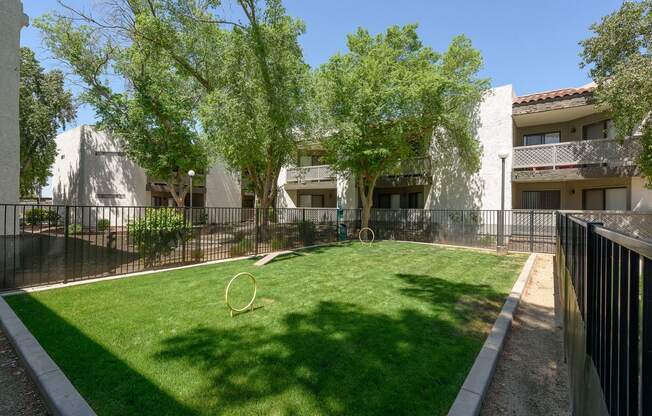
18,394
531,377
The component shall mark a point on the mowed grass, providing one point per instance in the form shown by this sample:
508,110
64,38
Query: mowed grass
346,330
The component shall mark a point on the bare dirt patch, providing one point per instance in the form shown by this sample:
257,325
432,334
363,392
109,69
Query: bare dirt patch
531,377
18,394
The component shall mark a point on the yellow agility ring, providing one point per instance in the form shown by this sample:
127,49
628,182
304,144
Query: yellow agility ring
373,235
250,305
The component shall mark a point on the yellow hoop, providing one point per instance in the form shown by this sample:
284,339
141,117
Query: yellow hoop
373,235
250,305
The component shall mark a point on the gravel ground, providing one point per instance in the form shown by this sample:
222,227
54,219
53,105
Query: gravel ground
531,377
18,394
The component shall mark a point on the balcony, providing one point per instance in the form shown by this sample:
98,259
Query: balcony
409,172
576,160
310,177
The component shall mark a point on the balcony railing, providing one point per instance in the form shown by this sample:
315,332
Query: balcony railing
416,166
310,173
570,154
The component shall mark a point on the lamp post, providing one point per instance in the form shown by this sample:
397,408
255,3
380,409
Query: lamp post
191,173
501,222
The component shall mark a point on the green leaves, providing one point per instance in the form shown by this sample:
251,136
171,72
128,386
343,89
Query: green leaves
620,60
383,101
44,106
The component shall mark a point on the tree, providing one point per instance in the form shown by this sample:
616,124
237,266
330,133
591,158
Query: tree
254,117
620,59
45,106
155,116
244,83
388,97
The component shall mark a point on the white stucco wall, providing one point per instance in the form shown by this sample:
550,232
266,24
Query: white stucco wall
222,187
453,187
347,193
283,198
12,20
641,195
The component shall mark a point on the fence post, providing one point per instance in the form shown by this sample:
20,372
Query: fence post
256,231
531,231
66,224
589,281
185,224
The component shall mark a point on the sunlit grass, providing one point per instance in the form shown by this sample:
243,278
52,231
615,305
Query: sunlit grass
350,329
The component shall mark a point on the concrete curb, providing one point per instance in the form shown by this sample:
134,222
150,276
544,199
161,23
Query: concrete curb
469,399
60,396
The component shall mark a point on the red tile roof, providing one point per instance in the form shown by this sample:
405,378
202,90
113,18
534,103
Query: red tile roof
554,94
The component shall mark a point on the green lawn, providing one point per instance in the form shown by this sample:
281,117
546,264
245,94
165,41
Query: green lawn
350,330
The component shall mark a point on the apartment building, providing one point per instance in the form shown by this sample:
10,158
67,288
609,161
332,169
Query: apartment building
565,155
561,150
92,168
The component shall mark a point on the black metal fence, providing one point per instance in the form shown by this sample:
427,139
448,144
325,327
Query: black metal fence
604,279
55,243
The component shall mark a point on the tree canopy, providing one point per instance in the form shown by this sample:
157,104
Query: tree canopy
388,97
44,106
198,85
619,55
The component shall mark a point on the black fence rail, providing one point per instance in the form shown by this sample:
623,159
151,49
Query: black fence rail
604,279
56,243
518,230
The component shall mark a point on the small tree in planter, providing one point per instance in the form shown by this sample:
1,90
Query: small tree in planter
158,232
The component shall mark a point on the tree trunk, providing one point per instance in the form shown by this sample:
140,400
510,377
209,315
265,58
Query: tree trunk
366,195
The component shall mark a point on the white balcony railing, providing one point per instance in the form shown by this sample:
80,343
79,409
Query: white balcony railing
310,173
585,152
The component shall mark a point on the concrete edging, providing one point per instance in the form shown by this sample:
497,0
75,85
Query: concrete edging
469,399
58,393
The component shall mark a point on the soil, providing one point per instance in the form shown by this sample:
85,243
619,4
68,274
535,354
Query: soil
18,394
531,377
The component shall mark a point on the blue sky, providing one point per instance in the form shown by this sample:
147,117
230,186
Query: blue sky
530,44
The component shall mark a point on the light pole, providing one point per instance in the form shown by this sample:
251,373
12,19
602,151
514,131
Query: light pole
191,173
501,222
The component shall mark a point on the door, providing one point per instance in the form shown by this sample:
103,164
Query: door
396,201
305,201
615,199
594,199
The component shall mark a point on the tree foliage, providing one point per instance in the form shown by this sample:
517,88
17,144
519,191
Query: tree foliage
44,106
389,96
155,114
198,84
620,59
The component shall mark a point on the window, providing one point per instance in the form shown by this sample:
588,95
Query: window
541,138
311,201
601,130
415,200
541,199
110,196
109,153
605,199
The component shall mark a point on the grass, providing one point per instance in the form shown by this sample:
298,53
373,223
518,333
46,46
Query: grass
351,330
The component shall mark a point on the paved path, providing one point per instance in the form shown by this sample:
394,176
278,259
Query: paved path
18,394
531,377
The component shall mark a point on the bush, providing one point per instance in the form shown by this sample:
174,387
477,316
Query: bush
242,248
279,243
103,224
197,254
36,216
158,232
74,229
307,231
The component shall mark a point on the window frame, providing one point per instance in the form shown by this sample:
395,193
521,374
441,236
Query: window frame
525,136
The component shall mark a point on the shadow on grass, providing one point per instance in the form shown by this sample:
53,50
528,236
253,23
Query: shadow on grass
108,384
341,358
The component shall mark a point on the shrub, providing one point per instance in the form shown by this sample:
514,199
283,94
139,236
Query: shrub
279,243
103,224
74,228
36,216
197,254
158,232
243,247
307,231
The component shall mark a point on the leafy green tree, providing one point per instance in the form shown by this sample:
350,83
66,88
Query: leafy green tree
45,106
155,115
619,56
388,97
244,82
